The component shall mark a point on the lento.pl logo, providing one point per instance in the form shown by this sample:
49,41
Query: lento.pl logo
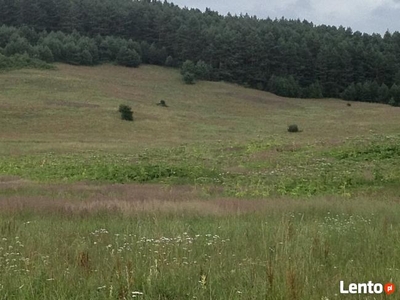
367,288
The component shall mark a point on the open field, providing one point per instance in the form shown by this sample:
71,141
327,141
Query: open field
74,109
210,198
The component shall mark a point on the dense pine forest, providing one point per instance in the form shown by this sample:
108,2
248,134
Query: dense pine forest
291,58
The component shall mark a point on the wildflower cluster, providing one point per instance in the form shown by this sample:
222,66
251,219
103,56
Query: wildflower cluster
11,257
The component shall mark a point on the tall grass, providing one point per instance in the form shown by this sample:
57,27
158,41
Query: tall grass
301,252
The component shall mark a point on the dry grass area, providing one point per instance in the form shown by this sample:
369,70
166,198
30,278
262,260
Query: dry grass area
88,199
128,199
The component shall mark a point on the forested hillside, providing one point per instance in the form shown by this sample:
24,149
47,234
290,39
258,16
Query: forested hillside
288,57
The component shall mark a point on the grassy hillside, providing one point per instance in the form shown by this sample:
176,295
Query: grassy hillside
209,198
64,125
75,109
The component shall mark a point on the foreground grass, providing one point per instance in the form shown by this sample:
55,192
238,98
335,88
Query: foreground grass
300,251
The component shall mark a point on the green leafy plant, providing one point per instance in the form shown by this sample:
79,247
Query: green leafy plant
293,128
162,103
126,112
188,78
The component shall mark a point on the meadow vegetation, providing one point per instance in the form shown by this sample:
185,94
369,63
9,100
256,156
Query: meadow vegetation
211,198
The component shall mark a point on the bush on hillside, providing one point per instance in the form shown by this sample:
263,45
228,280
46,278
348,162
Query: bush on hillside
293,128
188,78
162,103
126,112
188,67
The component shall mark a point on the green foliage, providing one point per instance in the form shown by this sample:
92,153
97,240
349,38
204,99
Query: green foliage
105,53
86,58
169,62
126,112
293,128
4,62
6,33
371,92
372,152
298,173
350,93
72,54
20,61
202,70
383,94
189,78
128,58
313,91
45,54
188,67
55,45
17,45
89,51
374,88
132,45
106,169
191,71
73,48
282,86
162,103
145,49
394,95
156,56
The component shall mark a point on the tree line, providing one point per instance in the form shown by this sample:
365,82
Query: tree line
75,48
288,57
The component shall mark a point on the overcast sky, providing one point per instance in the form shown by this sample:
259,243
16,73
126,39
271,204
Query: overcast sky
362,15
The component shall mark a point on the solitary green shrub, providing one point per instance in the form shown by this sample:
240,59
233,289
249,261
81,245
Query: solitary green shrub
293,128
188,67
162,103
188,78
126,112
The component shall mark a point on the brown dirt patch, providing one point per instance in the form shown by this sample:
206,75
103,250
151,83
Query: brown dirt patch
8,179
